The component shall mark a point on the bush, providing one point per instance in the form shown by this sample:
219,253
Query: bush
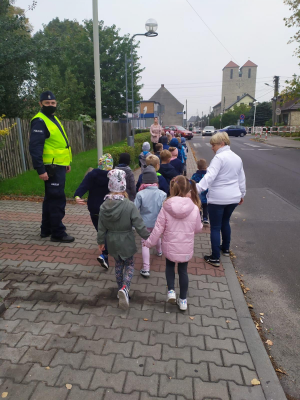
134,152
141,130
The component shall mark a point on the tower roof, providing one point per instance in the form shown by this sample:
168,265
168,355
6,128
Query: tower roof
249,64
231,64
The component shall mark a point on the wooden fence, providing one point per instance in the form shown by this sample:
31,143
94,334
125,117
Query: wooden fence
15,157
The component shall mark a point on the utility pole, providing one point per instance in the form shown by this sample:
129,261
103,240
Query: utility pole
201,120
186,114
97,79
209,115
276,91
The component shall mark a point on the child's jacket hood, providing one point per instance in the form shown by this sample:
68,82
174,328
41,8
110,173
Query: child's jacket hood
112,209
179,207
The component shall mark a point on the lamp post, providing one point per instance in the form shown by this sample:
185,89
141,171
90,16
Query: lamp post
255,104
151,28
221,114
97,79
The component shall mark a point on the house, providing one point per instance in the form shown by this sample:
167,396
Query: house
173,109
245,99
148,110
192,120
290,111
217,109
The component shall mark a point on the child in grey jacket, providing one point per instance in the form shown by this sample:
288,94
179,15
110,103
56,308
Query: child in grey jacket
116,218
149,201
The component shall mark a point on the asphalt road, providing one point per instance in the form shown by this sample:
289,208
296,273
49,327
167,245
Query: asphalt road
266,241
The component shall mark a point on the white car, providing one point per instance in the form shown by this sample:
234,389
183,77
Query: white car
209,130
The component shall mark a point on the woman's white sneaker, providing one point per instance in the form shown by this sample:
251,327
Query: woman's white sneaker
182,304
123,298
171,297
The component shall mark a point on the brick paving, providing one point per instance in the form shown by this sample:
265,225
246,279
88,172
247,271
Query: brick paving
63,325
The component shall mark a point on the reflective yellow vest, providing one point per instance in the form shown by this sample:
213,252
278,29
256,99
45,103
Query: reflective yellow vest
56,148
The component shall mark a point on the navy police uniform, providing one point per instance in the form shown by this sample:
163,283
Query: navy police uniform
55,199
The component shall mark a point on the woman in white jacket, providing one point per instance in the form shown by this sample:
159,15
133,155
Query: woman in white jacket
226,184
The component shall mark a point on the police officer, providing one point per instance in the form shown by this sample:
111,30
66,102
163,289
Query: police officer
51,157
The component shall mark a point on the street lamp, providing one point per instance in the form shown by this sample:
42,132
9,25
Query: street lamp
97,79
221,114
255,104
151,28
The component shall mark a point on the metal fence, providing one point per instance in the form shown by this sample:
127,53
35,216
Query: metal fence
15,157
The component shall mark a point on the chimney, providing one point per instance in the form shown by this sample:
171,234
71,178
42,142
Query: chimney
162,85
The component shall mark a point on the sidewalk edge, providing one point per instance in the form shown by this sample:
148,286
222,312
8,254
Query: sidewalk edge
269,381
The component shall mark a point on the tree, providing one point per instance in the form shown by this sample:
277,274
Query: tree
232,116
262,116
69,49
16,56
292,90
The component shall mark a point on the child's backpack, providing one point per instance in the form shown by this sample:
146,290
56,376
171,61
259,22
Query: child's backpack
197,178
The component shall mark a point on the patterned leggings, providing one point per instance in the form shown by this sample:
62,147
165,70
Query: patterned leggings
124,278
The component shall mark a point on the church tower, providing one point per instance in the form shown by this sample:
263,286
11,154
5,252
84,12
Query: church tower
237,82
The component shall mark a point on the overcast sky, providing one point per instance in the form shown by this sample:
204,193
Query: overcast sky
185,56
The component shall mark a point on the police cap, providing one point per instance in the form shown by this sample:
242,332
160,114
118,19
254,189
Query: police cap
47,96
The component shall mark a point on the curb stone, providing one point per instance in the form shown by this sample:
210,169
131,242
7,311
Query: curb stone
269,381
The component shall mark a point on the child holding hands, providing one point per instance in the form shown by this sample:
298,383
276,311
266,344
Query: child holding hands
178,221
116,218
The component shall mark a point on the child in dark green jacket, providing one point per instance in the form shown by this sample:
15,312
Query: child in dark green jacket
116,218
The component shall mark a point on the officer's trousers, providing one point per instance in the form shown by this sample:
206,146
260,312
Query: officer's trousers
54,204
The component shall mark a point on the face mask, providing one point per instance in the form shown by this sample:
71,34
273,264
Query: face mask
48,110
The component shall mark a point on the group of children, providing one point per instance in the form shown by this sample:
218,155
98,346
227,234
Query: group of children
146,208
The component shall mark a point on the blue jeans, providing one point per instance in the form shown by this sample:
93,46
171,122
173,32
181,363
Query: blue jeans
219,216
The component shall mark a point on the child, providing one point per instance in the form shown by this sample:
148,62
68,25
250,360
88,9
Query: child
169,136
124,162
174,143
185,150
177,164
145,152
162,183
149,201
116,218
96,183
202,167
178,221
166,169
164,142
159,149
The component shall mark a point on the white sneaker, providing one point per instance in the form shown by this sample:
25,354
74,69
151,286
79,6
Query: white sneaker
123,298
182,304
159,254
171,297
144,273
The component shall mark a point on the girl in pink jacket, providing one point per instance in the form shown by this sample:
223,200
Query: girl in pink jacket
178,221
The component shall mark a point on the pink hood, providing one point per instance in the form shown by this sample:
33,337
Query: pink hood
174,154
178,221
179,207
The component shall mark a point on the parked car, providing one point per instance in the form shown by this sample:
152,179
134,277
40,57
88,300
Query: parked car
209,131
179,129
196,129
234,130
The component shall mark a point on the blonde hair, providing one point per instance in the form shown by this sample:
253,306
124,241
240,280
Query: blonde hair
125,194
181,186
201,164
169,136
165,155
172,149
219,138
89,170
179,139
153,160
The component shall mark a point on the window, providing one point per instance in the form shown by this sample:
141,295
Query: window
238,97
231,73
249,73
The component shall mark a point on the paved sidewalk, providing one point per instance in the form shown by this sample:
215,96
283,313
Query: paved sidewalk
63,325
279,141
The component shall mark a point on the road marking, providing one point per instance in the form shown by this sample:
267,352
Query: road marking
252,145
247,149
197,145
264,149
207,144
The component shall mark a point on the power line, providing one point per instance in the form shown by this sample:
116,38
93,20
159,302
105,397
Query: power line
211,30
202,82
